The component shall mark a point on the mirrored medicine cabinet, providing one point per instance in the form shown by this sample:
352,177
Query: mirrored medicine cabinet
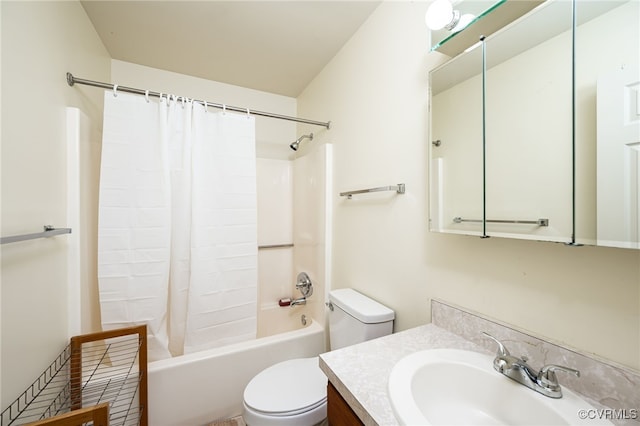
536,131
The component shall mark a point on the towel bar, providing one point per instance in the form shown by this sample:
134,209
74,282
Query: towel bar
539,222
49,231
399,188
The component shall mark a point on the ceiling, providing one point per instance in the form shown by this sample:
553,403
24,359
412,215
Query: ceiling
273,46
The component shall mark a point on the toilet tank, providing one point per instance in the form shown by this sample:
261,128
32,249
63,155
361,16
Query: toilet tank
355,318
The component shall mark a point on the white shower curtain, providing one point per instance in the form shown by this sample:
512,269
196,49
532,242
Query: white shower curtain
177,232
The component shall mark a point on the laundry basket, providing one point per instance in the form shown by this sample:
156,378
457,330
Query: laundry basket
98,379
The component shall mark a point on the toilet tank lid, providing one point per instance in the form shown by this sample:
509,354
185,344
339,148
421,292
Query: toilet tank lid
360,306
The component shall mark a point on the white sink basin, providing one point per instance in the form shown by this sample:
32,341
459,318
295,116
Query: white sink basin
455,387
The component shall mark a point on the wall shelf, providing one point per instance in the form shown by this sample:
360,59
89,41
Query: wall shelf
491,19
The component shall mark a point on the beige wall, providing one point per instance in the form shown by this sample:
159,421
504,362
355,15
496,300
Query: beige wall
41,41
375,93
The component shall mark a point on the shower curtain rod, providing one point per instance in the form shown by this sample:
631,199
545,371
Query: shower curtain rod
71,80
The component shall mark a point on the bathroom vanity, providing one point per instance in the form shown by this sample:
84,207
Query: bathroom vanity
338,410
359,375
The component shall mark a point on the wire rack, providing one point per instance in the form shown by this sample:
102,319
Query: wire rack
94,369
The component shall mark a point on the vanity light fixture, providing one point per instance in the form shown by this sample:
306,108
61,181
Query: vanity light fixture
441,14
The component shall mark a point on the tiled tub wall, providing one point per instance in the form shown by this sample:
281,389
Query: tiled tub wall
612,386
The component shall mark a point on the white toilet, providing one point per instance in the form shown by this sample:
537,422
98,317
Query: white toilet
294,392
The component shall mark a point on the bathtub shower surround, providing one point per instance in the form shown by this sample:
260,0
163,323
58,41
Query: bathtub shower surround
177,238
275,235
294,226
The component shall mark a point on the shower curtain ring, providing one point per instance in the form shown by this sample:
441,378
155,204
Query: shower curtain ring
115,90
146,95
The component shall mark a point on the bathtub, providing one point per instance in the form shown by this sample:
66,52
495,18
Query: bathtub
198,388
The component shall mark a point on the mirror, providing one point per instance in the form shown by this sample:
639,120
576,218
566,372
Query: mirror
527,159
536,165
456,150
608,123
529,127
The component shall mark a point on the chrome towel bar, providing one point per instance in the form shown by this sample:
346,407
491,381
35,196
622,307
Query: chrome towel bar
539,222
399,188
49,231
275,246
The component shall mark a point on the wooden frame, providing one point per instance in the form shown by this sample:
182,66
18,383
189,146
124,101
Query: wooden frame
98,414
113,386
76,368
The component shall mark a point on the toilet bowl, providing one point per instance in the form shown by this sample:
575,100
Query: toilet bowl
294,392
290,393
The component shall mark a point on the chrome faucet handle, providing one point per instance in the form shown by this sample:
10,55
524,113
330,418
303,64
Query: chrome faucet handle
547,375
548,381
304,284
502,350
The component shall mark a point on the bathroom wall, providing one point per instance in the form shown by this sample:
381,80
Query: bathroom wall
374,92
41,41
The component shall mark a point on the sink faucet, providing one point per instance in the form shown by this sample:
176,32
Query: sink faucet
543,381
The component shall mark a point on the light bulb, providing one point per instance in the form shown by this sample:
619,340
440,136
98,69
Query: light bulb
439,14
464,21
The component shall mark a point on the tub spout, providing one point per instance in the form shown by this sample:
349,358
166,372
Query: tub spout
300,301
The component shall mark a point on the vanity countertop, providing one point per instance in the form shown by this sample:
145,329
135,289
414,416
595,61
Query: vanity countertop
361,372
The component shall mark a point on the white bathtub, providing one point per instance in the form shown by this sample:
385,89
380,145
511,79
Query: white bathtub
196,389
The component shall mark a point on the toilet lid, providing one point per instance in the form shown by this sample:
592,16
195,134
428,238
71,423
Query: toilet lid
289,387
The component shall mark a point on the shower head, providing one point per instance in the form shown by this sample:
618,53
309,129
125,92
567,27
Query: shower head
294,146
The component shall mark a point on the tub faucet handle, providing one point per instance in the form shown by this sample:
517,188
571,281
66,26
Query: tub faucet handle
304,284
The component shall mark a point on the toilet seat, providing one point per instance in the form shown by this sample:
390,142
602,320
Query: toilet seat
296,388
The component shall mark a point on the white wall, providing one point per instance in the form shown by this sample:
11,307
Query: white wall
375,93
41,41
